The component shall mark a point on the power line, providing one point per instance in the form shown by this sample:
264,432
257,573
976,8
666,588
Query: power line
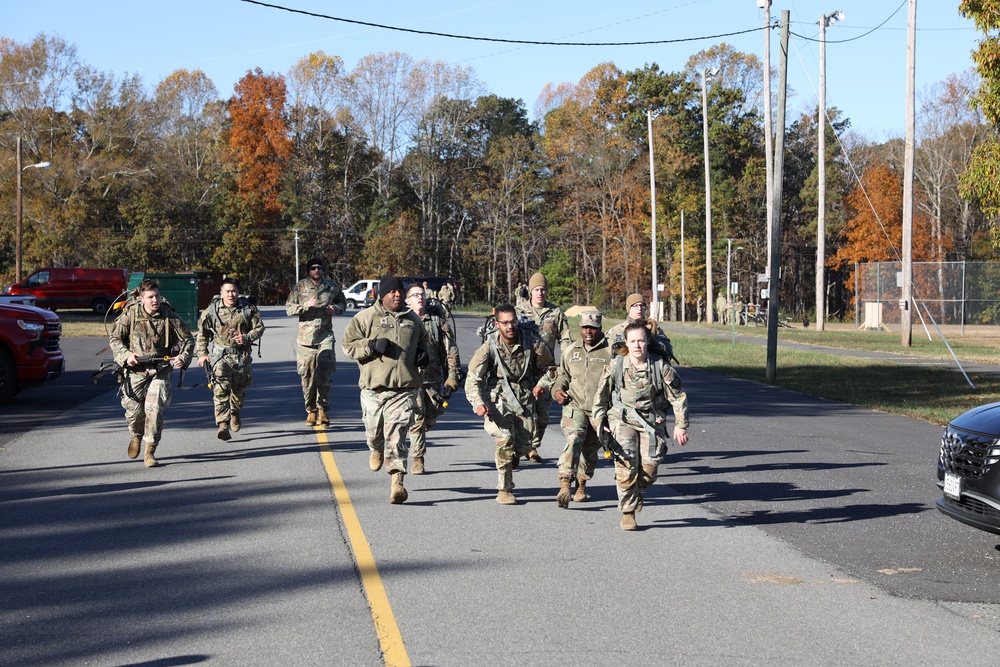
496,39
844,41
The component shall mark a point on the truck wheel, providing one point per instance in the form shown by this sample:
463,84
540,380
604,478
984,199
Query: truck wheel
8,376
351,305
100,306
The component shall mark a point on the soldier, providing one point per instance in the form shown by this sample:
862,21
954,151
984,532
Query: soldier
501,387
521,295
428,291
232,324
435,390
629,407
580,368
315,300
447,295
149,340
552,327
721,307
389,342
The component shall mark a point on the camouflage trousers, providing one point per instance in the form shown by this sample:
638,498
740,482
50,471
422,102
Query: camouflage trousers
429,406
388,416
230,378
579,455
144,413
543,405
644,455
316,365
512,433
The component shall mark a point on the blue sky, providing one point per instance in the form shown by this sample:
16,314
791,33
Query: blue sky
225,38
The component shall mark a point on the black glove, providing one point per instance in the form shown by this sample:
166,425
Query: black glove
422,358
378,346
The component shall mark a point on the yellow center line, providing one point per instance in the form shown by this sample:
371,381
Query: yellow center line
389,637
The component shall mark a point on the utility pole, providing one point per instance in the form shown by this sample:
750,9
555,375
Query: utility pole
779,166
905,315
768,141
706,76
17,231
296,255
824,21
655,301
683,286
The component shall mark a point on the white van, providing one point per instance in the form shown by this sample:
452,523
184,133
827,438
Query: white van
355,294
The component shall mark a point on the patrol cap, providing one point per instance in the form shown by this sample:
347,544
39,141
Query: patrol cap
590,318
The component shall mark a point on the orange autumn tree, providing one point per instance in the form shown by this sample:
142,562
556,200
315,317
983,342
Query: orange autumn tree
874,229
601,181
259,149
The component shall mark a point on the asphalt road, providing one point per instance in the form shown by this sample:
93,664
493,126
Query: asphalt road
790,531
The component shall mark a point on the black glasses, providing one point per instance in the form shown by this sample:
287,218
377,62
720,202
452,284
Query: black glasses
315,267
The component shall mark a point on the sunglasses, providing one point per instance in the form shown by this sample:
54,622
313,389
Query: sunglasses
317,266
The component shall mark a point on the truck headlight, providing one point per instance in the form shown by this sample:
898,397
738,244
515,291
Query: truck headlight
31,326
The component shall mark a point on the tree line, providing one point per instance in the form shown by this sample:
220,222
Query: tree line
413,168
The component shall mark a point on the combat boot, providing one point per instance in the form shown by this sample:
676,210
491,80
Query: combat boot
505,479
234,421
534,457
628,521
149,459
398,494
321,417
375,460
418,465
562,498
581,491
134,445
223,433
506,498
311,419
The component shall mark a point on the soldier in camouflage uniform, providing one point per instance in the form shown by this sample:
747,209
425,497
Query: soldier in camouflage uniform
389,343
436,389
635,311
501,386
315,300
148,327
581,367
447,295
552,327
232,324
630,407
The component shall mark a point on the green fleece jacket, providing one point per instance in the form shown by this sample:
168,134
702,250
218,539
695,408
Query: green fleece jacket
397,368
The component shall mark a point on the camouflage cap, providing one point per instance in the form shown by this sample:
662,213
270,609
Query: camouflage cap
590,318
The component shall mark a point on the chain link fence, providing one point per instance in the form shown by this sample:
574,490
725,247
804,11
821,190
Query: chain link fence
960,295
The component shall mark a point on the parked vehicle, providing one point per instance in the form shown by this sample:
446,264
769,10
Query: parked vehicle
64,287
356,293
369,296
969,468
29,348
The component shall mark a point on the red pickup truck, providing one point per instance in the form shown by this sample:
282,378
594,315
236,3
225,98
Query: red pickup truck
29,348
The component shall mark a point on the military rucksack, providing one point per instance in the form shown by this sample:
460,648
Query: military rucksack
659,344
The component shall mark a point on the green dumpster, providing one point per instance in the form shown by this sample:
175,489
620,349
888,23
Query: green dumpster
189,292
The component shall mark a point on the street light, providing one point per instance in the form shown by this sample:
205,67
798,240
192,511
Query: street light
729,285
17,233
706,76
824,21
